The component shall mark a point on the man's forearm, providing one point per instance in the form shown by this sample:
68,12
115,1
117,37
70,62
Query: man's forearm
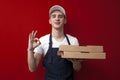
31,61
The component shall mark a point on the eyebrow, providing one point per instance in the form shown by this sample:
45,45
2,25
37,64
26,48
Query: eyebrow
58,15
53,14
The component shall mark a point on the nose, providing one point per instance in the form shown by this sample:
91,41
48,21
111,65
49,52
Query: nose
57,18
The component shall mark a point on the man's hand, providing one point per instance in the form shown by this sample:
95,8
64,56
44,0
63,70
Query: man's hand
76,64
33,42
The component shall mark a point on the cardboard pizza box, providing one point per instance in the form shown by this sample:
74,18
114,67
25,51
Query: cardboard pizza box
81,52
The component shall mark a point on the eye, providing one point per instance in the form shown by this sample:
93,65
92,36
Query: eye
61,16
53,16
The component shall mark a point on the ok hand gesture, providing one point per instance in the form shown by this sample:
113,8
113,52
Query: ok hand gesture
33,42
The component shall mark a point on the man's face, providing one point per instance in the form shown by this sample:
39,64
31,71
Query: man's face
57,19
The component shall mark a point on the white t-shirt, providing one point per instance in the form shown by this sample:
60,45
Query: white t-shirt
43,47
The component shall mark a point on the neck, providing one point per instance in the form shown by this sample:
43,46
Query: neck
58,34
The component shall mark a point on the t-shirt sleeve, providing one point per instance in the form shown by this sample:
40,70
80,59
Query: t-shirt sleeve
75,42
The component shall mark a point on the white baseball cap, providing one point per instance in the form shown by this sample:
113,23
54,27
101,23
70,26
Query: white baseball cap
57,7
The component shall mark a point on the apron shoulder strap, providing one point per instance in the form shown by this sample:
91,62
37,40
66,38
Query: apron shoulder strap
50,41
67,39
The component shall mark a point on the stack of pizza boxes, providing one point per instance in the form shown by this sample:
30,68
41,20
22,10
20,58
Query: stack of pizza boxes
81,52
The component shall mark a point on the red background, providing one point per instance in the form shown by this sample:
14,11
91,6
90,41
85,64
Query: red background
93,22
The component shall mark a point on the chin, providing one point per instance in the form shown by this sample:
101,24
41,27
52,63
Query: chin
57,26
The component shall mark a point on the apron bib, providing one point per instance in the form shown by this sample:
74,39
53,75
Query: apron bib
56,67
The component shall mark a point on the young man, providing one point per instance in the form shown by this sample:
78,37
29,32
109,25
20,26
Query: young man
56,68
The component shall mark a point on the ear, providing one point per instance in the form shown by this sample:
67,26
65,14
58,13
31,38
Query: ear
49,21
65,21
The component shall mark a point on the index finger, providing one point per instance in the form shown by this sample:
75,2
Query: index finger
35,33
